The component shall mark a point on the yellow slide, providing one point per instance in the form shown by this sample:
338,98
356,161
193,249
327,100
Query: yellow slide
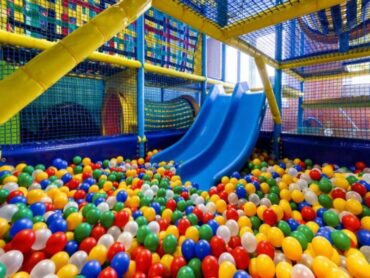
33,79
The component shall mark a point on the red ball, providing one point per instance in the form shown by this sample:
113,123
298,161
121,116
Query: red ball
235,242
223,195
212,191
206,217
139,274
265,247
232,214
114,249
308,213
13,194
220,187
338,193
183,224
163,224
143,260
171,204
32,260
269,217
98,231
177,263
87,244
351,222
210,267
360,165
50,172
241,257
73,184
359,188
185,195
198,213
218,246
315,174
156,269
108,272
23,240
121,218
136,251
79,194
55,243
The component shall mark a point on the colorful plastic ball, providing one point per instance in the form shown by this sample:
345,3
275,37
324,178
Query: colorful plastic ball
301,271
19,225
292,248
241,274
241,257
23,240
186,272
266,248
321,246
91,269
151,242
55,243
249,242
143,260
265,266
205,232
188,249
177,263
331,218
120,263
363,237
202,249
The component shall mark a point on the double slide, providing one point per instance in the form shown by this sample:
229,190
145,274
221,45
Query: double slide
221,138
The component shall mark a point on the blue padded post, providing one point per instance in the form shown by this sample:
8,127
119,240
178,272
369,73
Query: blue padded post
222,13
223,62
204,69
239,67
140,45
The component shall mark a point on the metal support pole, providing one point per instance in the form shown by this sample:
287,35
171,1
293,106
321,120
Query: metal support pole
140,46
223,62
204,69
239,67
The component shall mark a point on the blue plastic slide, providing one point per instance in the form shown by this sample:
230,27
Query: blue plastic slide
234,130
206,127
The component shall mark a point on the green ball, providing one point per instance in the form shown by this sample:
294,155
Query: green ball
205,232
118,206
38,218
93,216
293,206
25,180
340,240
181,205
308,162
142,232
107,219
256,222
331,218
260,194
106,163
96,173
196,266
262,179
28,169
274,198
77,160
129,180
193,219
169,244
176,215
301,238
82,231
325,185
161,192
86,208
306,231
351,179
141,221
112,177
185,272
271,182
284,227
3,195
275,189
144,201
78,169
2,270
40,167
325,201
151,242
365,211
22,213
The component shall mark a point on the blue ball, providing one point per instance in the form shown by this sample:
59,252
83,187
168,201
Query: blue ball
319,221
235,175
195,185
363,237
241,192
157,207
90,181
91,269
137,214
89,197
214,225
44,183
20,225
188,249
58,225
121,196
66,177
99,200
320,212
202,249
293,224
84,186
71,247
56,215
241,274
18,199
120,263
38,208
189,210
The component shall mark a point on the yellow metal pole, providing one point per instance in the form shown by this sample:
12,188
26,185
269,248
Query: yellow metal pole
261,66
326,58
171,72
279,14
30,81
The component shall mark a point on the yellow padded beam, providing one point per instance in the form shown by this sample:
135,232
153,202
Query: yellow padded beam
279,14
30,81
261,66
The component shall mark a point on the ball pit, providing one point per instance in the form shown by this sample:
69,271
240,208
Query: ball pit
122,218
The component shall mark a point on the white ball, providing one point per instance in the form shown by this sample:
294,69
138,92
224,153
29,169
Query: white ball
301,271
126,239
224,232
154,227
131,227
233,227
43,268
78,259
107,240
12,260
211,208
42,235
103,207
226,257
249,242
114,231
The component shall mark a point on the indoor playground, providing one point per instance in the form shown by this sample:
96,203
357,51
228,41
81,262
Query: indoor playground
185,138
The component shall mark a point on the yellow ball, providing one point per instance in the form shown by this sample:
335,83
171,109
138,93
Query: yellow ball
39,226
149,214
221,206
265,266
131,269
365,223
250,188
260,210
283,270
279,211
358,266
260,237
68,271
337,273
354,206
167,215
321,266
322,247
172,229
155,258
225,180
341,182
315,188
4,227
73,220
220,220
229,187
351,235
99,253
244,221
166,261
86,161
250,209
10,179
314,227
226,269
35,196
297,196
265,188
256,161
339,204
292,248
285,194
21,274
60,201
287,179
335,258
60,259
256,172
192,233
275,236
253,268
328,170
